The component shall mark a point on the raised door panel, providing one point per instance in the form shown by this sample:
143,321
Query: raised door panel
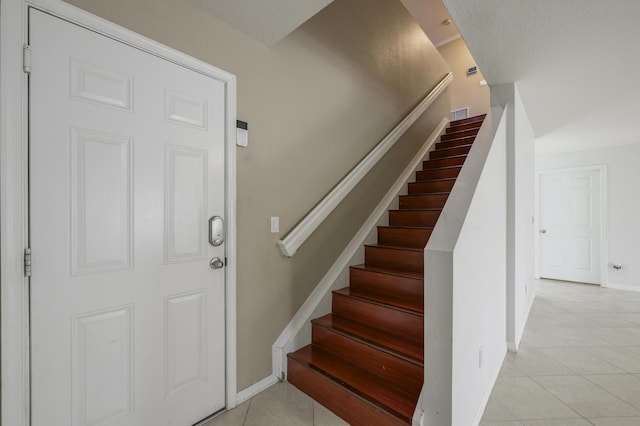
101,202
102,367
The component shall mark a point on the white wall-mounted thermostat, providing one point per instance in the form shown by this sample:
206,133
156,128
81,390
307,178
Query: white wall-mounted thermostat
242,133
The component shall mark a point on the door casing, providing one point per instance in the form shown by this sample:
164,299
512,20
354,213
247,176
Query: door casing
14,236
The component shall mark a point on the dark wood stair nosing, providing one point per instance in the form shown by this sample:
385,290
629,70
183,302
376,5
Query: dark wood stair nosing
457,166
476,118
426,193
468,145
429,209
377,303
373,404
445,158
464,126
394,272
412,349
446,179
430,164
369,342
455,143
392,247
380,380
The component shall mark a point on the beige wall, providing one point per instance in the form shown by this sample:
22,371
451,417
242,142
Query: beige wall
316,103
465,90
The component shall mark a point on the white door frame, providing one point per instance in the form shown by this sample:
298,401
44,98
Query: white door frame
14,238
604,225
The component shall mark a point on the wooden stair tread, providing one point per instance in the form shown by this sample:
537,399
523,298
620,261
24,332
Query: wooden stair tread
407,303
422,200
400,288
459,134
373,359
456,160
443,167
392,247
414,217
427,194
390,255
392,343
455,130
406,274
457,127
346,404
404,236
455,143
437,172
346,291
438,209
473,119
387,396
428,164
443,158
444,179
453,147
427,228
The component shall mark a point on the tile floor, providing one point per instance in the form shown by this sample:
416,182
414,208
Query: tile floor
578,365
280,405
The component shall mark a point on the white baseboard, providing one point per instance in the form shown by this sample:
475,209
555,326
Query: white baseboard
533,290
418,413
303,316
256,388
489,390
615,286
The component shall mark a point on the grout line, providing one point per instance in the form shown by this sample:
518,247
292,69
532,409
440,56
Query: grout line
246,414
555,397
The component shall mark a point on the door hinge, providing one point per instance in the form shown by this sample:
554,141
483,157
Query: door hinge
27,262
26,59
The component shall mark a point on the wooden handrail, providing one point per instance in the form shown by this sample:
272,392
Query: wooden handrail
294,239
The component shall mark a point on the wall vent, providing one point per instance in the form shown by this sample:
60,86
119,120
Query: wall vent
459,114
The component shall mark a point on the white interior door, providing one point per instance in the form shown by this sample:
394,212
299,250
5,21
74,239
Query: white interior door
126,168
570,225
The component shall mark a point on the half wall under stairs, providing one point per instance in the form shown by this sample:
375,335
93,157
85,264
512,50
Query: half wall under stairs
366,359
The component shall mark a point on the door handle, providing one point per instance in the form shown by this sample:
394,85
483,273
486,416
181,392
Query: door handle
216,231
216,263
543,231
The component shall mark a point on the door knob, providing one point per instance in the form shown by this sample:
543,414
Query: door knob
543,231
216,263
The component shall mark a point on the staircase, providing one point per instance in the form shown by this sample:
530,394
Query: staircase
365,362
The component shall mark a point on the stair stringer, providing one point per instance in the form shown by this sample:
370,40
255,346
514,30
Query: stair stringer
297,332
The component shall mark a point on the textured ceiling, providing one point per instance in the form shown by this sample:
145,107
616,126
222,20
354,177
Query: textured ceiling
265,21
430,14
574,62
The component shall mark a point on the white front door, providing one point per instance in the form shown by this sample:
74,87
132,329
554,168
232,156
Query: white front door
570,225
126,168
